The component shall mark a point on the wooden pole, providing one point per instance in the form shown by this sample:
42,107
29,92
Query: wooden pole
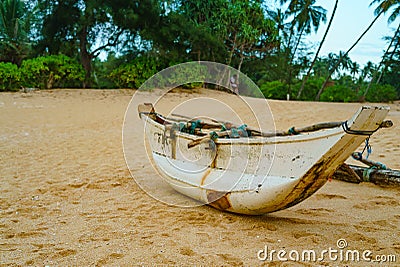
378,176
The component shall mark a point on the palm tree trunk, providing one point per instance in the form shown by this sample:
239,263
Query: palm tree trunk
292,62
291,56
319,49
298,43
391,55
345,54
380,64
290,36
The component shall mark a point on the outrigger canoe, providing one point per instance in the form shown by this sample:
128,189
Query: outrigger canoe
242,170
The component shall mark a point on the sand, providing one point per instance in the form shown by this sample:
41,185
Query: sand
67,197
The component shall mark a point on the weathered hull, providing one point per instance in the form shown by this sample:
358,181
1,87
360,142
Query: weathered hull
257,175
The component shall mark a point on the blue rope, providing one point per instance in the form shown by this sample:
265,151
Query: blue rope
359,155
292,131
213,135
367,173
367,147
194,125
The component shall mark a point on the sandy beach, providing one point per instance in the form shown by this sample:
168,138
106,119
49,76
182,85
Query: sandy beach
67,197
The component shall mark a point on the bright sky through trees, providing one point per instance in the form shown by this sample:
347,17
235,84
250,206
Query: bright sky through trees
351,19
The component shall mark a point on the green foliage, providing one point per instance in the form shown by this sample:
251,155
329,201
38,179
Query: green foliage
142,37
86,28
275,90
134,74
14,28
247,87
187,72
189,32
42,72
381,93
52,71
10,77
392,65
338,93
245,30
392,77
101,75
310,88
273,67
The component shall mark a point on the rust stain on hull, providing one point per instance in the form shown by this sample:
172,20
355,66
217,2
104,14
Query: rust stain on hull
219,200
203,179
173,144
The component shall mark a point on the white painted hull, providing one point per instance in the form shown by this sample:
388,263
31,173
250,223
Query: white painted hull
256,175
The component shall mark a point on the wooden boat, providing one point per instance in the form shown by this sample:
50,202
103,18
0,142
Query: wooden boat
261,173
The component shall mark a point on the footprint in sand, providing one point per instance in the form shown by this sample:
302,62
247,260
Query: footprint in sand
270,227
165,234
360,237
396,247
232,260
187,251
373,226
377,203
301,234
315,212
314,237
329,196
65,252
29,234
108,259
200,218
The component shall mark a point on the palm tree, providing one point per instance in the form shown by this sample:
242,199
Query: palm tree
308,17
332,59
354,69
340,59
384,59
319,49
369,70
384,6
321,67
279,17
345,61
292,9
14,27
391,54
